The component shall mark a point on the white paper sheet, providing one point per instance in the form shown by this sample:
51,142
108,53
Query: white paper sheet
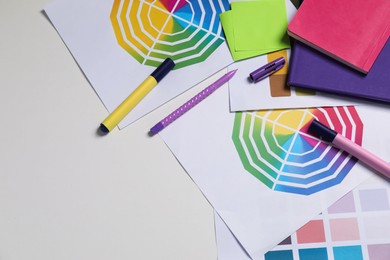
259,217
246,95
230,249
87,31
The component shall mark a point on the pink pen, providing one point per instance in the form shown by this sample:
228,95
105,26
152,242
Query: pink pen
339,141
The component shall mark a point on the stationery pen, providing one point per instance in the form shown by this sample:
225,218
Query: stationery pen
136,96
191,103
350,147
267,69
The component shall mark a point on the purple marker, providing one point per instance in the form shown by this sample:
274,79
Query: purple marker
191,103
350,147
267,69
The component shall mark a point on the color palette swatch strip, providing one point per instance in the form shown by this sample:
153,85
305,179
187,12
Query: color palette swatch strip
356,227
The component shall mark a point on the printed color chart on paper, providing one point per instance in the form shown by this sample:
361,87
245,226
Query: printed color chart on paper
354,228
275,147
186,31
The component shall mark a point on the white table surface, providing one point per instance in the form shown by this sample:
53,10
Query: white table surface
67,193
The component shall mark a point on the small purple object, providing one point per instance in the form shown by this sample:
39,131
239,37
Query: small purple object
191,103
267,69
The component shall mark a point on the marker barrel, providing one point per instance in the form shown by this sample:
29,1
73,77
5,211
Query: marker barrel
136,96
129,103
362,154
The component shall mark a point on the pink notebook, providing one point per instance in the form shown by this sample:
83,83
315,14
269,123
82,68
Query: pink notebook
351,31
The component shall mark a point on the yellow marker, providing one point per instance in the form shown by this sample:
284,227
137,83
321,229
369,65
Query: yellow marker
136,96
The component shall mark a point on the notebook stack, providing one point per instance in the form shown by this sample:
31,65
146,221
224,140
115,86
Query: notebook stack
342,47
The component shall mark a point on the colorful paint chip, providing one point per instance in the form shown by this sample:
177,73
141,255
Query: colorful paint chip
347,253
379,252
344,229
344,205
286,241
280,254
313,253
374,199
312,232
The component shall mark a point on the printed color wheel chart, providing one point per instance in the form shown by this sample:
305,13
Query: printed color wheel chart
186,31
275,147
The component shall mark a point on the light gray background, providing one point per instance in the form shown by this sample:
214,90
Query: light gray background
67,193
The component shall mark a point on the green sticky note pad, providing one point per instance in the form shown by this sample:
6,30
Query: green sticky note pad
259,25
227,24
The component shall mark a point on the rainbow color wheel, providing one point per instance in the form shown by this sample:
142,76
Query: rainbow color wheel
275,147
186,31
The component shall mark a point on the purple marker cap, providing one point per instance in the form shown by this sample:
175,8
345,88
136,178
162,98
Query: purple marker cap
267,69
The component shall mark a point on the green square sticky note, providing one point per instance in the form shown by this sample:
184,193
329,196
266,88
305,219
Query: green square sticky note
227,25
260,25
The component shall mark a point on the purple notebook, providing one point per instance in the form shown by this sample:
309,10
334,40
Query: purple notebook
313,70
